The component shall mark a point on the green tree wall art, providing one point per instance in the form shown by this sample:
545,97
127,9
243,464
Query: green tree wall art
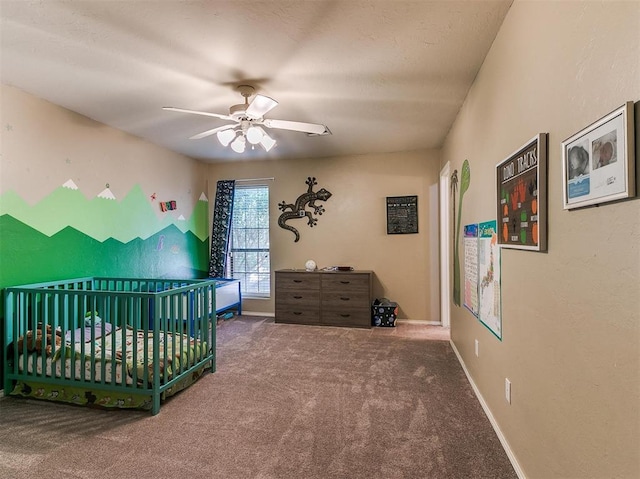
465,180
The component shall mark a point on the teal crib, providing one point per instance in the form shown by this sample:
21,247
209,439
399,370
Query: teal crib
111,342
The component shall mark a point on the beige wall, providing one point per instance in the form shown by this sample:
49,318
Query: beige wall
352,231
44,145
571,316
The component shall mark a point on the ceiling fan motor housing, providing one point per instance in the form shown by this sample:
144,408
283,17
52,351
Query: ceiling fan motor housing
246,90
238,111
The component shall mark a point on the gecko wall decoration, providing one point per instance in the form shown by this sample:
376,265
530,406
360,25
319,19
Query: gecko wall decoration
298,209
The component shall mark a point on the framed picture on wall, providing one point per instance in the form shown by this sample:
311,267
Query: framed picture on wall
402,215
521,193
598,162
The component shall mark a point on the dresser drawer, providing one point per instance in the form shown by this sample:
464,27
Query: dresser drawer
346,281
345,299
298,315
354,317
301,298
297,281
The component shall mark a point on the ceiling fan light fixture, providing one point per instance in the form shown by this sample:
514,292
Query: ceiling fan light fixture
225,136
267,142
238,145
248,117
254,134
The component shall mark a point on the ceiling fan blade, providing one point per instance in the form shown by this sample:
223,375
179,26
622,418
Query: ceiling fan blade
309,128
260,106
211,132
194,112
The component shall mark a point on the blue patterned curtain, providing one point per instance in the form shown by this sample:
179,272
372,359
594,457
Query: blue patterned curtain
222,212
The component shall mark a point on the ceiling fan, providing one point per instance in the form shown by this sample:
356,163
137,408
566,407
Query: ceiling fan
248,120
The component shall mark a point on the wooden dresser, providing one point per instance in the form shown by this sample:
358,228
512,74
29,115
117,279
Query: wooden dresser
330,298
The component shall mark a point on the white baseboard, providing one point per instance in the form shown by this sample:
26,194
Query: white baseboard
419,321
256,313
492,420
406,321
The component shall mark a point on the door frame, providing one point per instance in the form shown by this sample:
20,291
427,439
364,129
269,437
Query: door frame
445,250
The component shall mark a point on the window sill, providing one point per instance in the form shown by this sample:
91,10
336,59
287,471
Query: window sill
253,296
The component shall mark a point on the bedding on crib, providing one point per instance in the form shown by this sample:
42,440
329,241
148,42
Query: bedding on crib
115,361
138,342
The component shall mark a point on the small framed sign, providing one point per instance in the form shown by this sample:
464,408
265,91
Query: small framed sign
598,162
402,215
521,192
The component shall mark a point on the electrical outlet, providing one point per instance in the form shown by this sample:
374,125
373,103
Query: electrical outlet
507,390
477,348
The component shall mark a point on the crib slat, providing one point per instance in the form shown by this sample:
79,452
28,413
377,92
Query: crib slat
39,329
149,318
155,408
135,304
123,339
179,322
23,330
124,322
170,327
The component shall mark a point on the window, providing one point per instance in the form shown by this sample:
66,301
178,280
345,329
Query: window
249,258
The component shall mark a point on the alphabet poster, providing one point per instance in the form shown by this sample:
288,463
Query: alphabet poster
471,268
490,313
482,274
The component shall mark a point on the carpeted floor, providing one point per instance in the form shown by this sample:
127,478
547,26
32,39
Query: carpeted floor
287,401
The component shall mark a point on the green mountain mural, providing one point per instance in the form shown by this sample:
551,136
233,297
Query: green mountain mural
29,256
101,218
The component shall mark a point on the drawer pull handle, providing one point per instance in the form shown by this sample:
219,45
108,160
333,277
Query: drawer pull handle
297,281
344,299
345,315
298,297
345,282
297,313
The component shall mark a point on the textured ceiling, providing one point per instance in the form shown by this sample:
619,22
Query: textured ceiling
383,75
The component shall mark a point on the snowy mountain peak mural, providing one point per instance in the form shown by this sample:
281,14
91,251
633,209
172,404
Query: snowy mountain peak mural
106,194
70,184
124,220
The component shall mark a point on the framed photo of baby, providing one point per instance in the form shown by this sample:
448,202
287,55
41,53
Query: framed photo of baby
598,162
